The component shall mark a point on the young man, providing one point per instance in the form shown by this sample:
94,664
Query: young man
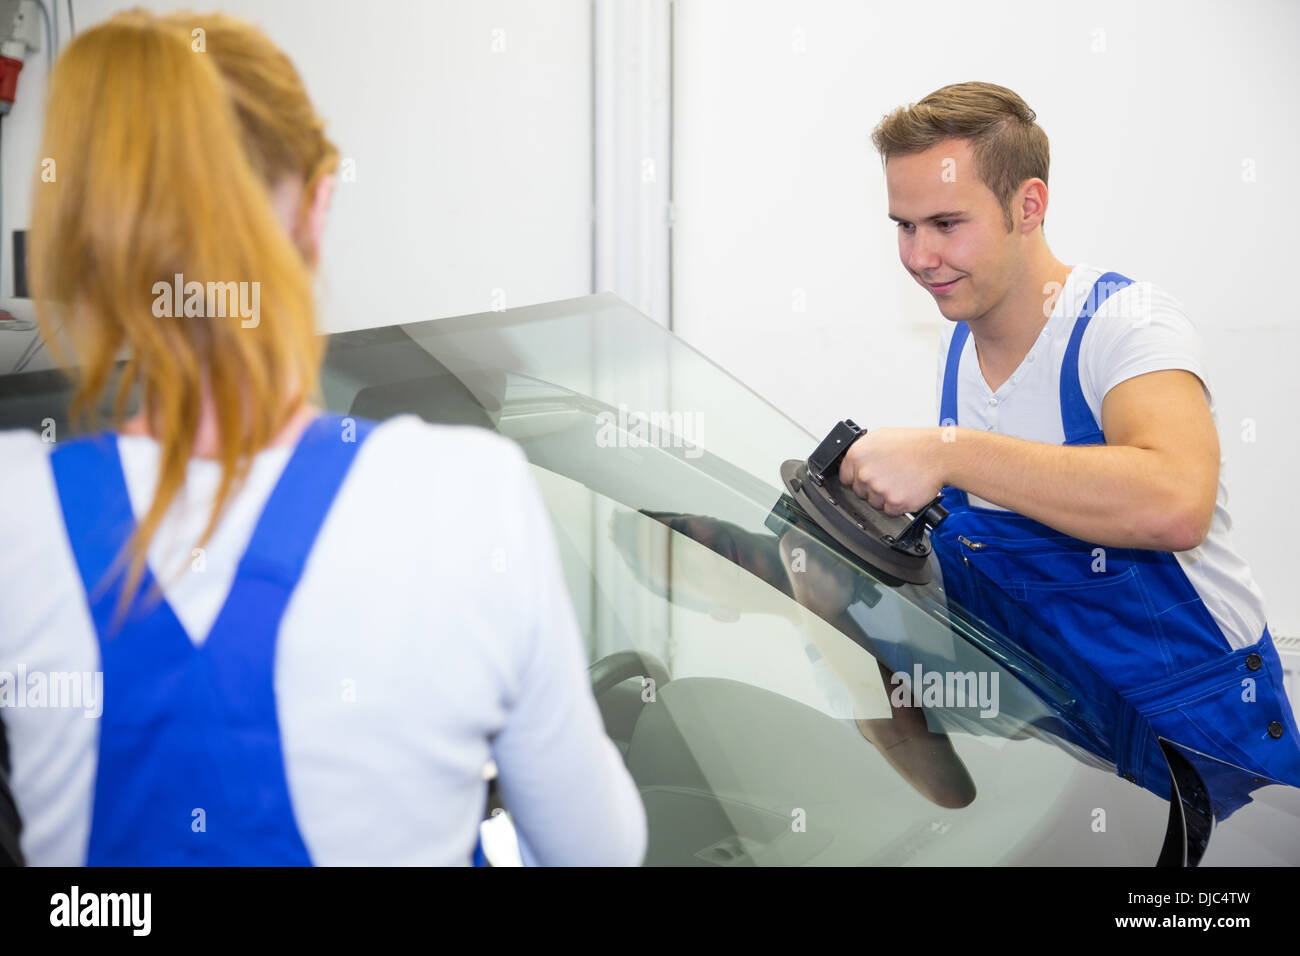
1077,453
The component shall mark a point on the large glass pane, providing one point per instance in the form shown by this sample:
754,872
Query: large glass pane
775,700
757,678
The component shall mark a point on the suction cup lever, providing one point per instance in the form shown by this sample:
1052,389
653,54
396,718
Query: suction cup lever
912,540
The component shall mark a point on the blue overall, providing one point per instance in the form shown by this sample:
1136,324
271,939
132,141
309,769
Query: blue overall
190,768
1124,626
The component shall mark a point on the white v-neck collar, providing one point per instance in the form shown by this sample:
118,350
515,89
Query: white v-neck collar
1060,322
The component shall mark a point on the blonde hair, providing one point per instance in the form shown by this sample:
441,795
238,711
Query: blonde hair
164,149
1007,145
282,135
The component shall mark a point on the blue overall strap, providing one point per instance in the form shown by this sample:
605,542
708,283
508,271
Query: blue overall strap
97,513
190,767
1077,421
134,651
948,401
241,646
948,398
290,521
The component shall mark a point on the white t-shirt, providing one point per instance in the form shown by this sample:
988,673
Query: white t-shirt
1138,329
430,632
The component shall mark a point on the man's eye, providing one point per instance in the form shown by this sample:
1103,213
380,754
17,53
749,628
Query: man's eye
946,223
904,225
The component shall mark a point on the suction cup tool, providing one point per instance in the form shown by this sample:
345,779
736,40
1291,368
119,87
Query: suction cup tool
894,547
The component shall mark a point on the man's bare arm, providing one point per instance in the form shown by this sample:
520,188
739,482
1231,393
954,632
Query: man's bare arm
1153,485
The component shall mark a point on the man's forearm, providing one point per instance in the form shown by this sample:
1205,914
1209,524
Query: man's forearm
1115,495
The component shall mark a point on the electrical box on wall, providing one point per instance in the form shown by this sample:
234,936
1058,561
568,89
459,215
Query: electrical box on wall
20,35
20,22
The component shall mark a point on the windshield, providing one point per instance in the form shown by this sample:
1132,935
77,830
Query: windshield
774,700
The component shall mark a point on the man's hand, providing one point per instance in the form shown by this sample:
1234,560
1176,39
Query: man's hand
896,469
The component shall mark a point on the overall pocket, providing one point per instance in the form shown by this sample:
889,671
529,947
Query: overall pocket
1102,618
1249,717
1235,711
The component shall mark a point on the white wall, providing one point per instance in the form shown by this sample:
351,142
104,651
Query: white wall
786,269
473,165
474,174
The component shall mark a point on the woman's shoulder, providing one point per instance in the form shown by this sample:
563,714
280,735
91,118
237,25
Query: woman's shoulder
429,502
23,455
411,439
22,441
29,514
408,456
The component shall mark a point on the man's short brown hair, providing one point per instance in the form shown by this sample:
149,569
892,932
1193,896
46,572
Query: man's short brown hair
1008,146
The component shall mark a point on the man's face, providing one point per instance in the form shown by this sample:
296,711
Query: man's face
951,229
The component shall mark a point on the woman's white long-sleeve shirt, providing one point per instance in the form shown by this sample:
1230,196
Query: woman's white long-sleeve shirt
430,632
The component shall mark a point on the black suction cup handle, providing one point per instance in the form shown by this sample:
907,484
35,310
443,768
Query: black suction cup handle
826,457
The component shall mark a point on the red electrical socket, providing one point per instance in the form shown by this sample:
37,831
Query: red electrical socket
9,68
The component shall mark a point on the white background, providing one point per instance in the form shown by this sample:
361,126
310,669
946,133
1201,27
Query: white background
473,167
475,174
779,192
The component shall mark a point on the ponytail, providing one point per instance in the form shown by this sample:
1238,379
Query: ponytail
146,189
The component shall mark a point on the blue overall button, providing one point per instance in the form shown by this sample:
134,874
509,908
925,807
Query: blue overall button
1254,662
1275,729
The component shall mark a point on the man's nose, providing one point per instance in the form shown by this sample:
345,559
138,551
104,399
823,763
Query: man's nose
922,256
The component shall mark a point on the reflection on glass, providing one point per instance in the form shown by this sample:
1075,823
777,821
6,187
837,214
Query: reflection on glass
775,703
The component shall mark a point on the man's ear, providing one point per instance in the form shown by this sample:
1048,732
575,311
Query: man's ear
1033,204
316,213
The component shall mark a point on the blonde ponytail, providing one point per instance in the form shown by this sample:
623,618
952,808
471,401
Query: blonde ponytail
153,181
